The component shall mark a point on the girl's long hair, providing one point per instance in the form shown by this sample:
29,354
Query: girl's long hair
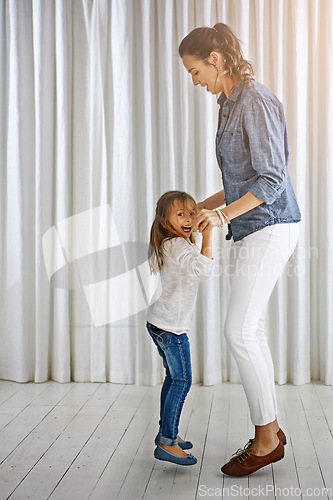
161,229
202,41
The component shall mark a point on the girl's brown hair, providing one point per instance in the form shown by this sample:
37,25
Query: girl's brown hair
202,41
161,229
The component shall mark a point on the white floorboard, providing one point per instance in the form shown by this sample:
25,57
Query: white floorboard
95,441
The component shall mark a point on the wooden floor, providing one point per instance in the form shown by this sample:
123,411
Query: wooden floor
95,441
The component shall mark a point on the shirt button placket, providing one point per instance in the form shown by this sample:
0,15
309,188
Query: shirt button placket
225,113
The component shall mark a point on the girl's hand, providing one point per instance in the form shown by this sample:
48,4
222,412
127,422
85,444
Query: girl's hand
206,220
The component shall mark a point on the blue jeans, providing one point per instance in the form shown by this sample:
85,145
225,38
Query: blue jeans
175,352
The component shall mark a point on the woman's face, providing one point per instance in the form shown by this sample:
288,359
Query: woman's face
205,73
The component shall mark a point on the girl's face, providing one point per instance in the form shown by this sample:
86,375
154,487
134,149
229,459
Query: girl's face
182,217
207,73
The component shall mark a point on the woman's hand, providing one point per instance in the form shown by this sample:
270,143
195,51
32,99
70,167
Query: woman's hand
206,220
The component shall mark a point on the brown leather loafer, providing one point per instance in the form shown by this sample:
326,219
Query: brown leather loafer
246,462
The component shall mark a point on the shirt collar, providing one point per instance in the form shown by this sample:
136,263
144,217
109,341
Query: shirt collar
234,94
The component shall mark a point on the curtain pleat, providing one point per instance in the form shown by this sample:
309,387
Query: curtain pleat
98,116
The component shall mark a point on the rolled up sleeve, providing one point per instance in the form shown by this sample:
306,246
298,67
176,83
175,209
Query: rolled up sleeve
266,130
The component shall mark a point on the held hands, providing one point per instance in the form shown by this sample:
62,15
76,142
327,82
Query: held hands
207,219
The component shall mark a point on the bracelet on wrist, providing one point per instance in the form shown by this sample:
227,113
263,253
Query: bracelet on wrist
225,216
220,217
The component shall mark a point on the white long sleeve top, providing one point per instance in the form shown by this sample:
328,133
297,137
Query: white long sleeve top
183,267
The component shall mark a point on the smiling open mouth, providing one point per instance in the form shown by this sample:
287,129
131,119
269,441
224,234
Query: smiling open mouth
187,229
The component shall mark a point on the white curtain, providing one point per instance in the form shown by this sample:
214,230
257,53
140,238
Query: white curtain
98,119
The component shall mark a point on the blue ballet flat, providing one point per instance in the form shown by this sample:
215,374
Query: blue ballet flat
161,454
184,445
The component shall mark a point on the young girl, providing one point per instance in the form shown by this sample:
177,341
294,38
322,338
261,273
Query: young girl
174,254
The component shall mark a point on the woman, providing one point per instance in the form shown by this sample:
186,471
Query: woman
262,212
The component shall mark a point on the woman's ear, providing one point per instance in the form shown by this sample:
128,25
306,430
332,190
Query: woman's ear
214,58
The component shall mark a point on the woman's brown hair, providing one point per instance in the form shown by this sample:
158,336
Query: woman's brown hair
202,41
161,229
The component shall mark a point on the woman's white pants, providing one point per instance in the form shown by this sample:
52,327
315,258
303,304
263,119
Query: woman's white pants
256,263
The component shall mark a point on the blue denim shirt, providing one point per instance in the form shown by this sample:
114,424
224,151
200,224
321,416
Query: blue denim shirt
252,153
